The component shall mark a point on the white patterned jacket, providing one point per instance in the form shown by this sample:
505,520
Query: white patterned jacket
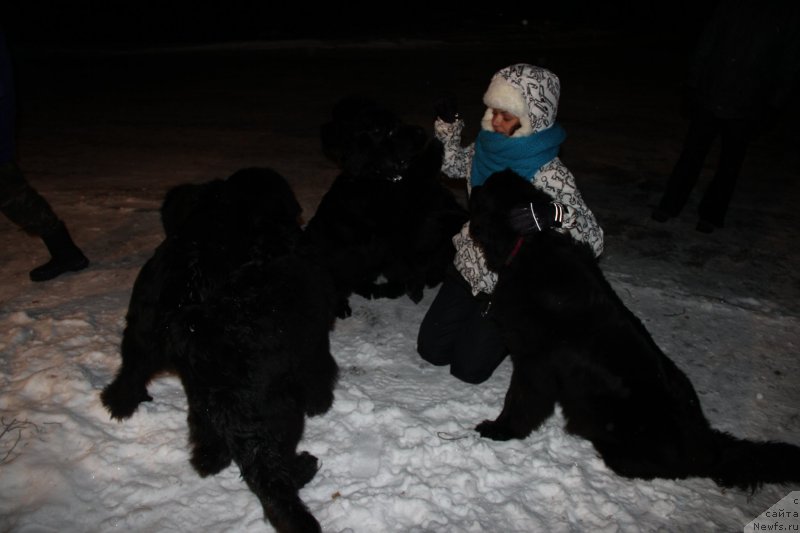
553,178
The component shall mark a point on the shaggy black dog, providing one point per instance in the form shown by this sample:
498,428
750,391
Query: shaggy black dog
387,214
574,342
227,304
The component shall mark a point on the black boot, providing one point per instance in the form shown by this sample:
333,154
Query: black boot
66,256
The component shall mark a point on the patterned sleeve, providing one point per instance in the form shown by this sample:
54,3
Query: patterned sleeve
471,263
556,180
457,162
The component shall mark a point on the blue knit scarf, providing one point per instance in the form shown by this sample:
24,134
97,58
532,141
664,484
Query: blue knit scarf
494,152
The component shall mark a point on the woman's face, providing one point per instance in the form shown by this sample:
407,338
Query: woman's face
504,122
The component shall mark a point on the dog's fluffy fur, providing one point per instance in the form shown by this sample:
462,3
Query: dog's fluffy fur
573,341
244,321
387,213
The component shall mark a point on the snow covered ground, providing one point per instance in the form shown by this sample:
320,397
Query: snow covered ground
103,134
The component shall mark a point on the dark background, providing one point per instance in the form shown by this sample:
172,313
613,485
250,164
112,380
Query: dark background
105,110
104,107
172,22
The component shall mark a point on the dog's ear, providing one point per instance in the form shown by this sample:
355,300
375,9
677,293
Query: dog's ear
359,155
422,167
425,166
487,228
489,206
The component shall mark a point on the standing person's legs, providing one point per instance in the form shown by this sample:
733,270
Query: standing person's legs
735,136
702,131
24,206
456,332
20,202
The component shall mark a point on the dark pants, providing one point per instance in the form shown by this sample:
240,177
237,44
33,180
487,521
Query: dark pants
18,200
456,332
735,136
23,205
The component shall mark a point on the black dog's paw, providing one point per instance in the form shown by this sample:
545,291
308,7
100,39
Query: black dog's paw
305,468
388,289
122,401
368,292
209,460
415,292
491,429
343,308
319,402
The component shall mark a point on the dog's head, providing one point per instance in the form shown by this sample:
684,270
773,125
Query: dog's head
356,121
489,207
367,141
403,153
247,200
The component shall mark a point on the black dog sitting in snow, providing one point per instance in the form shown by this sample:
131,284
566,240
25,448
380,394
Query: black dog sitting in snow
574,342
387,214
227,304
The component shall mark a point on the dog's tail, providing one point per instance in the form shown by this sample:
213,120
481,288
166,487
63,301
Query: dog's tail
289,515
748,464
276,478
282,506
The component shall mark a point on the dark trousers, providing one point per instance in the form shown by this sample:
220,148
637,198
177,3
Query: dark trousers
20,202
735,136
456,332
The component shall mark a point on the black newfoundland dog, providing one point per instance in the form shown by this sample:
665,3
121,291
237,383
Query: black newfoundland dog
574,342
384,227
227,304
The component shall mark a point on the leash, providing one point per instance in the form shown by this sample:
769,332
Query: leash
515,250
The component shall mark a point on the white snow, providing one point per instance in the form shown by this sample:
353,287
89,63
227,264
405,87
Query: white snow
103,136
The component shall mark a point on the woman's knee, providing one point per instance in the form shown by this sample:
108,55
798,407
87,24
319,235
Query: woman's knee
432,352
472,376
476,366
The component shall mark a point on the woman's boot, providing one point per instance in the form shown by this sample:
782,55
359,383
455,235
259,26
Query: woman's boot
65,255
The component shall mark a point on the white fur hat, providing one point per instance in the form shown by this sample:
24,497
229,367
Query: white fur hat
526,91
503,96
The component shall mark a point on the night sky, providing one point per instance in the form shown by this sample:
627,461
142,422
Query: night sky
184,21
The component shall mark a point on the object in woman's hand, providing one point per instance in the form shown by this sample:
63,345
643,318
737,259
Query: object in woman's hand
446,108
